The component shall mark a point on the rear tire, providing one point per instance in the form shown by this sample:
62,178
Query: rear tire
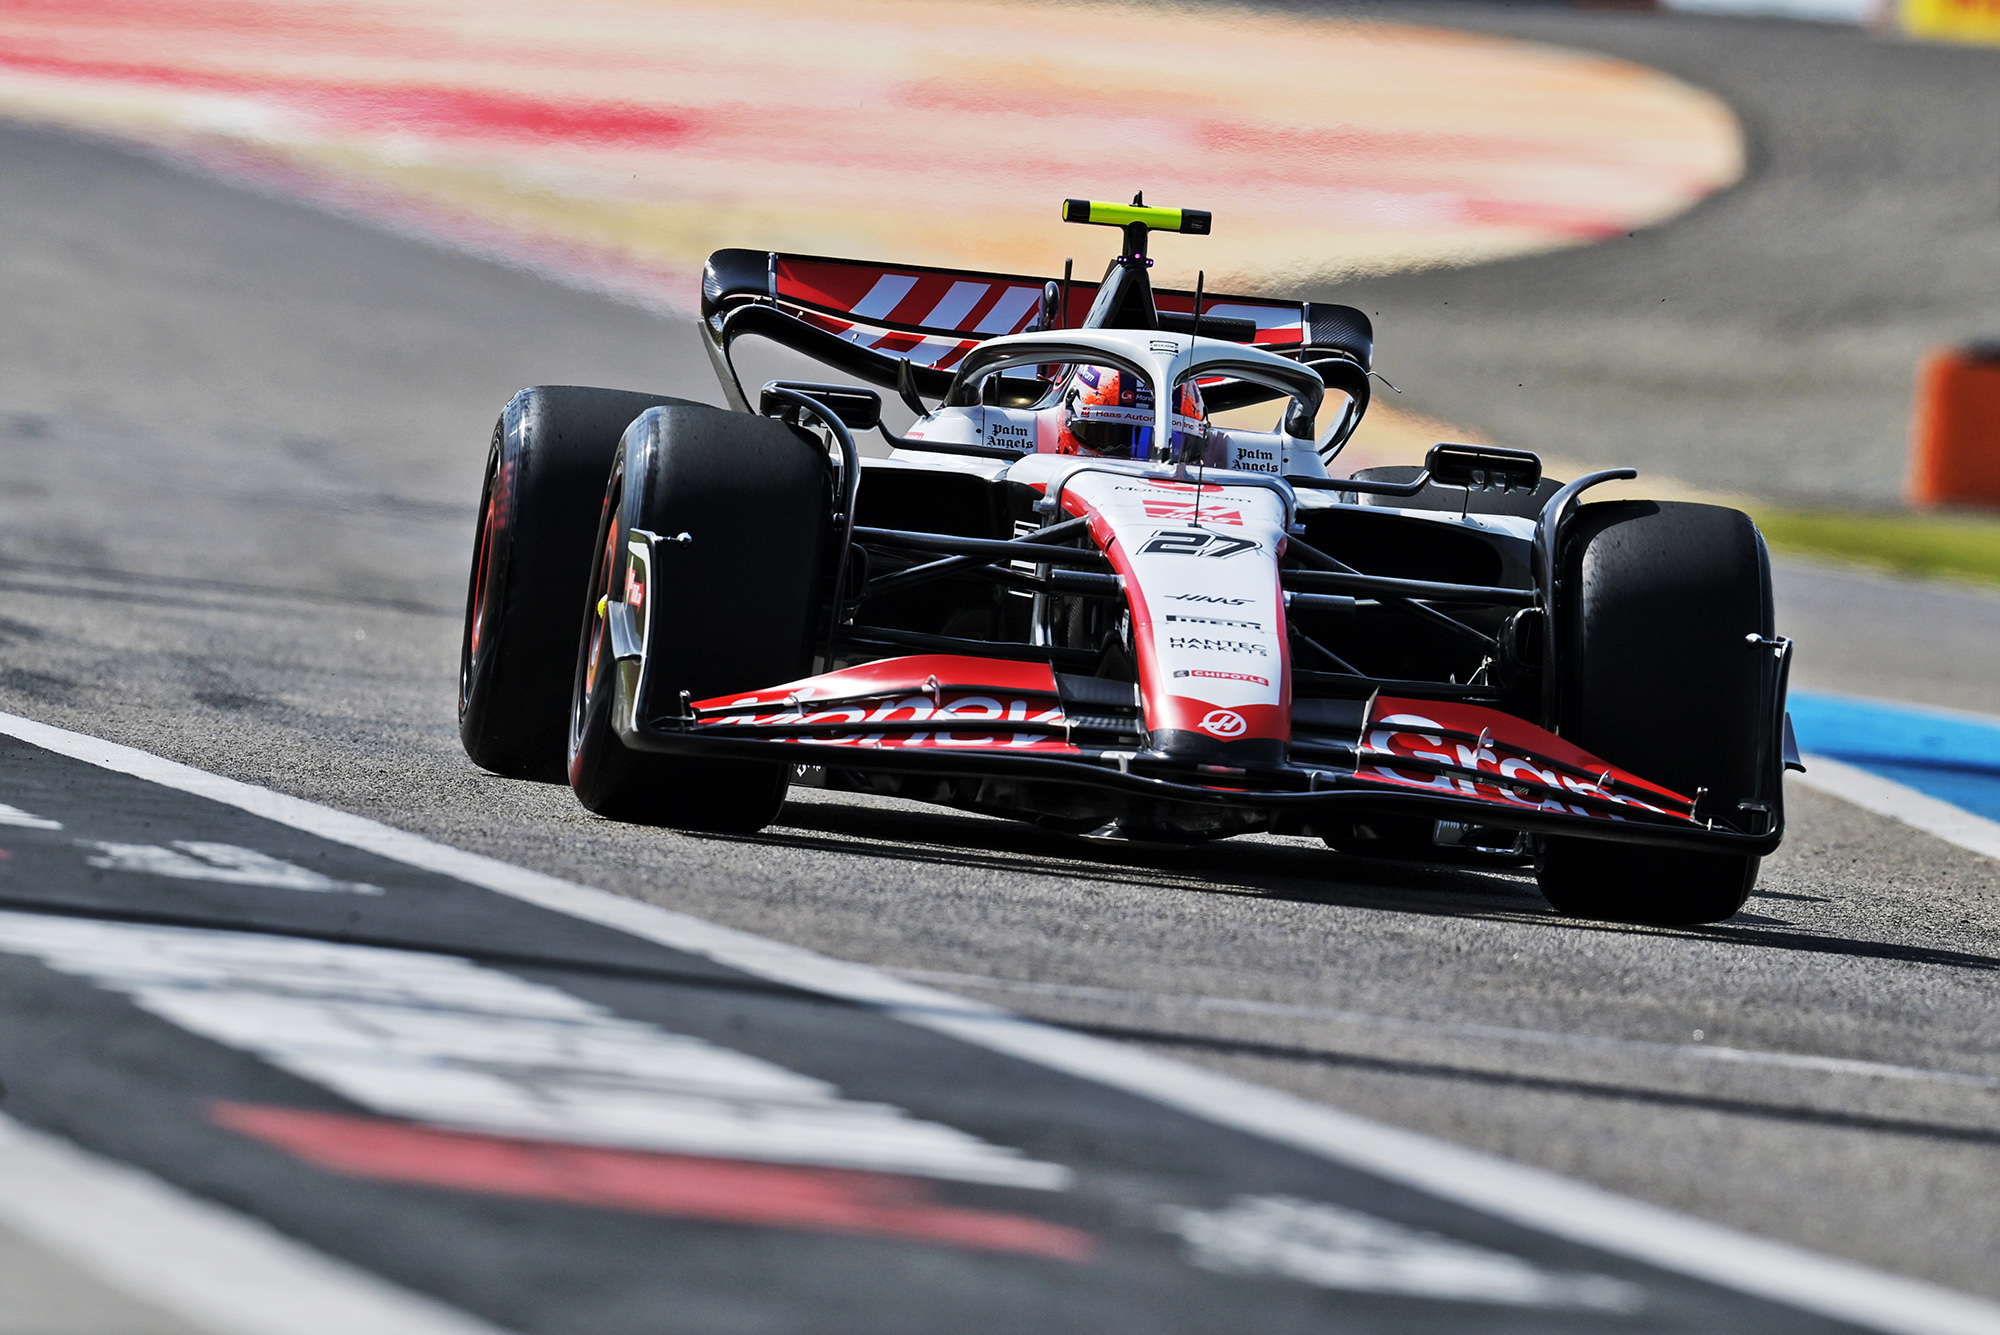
552,449
1656,601
734,608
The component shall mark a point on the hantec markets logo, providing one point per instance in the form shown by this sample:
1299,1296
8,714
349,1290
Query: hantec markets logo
1202,644
1224,723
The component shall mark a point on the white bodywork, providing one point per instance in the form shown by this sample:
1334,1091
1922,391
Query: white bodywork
1198,546
1200,563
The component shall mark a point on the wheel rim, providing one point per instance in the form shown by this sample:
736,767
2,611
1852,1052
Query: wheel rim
483,568
479,589
590,652
599,630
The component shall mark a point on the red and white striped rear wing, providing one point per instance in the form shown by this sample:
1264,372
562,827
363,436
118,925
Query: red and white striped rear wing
933,317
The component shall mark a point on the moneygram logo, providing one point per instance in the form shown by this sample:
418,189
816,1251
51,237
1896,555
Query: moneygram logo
1223,723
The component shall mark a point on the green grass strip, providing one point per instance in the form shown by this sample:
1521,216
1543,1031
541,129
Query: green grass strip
1964,546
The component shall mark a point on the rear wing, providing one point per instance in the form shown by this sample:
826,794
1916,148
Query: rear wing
875,319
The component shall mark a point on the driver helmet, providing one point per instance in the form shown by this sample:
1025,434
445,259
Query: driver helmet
1109,413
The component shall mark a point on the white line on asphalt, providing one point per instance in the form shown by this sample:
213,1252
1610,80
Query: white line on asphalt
1337,1248
198,860
220,1270
1527,1196
1886,797
437,1038
1801,1061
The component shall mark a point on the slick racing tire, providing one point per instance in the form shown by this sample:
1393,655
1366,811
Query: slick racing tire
734,606
552,449
1657,601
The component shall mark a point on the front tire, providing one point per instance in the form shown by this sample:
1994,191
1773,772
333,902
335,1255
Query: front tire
734,608
1657,600
552,449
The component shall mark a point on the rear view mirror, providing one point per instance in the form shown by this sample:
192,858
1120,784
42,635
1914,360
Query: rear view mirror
1484,467
858,409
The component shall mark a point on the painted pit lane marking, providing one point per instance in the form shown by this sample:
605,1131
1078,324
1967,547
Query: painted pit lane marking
446,1041
199,860
831,1200
225,1272
195,860
1511,1192
572,1088
453,1044
1935,770
1950,755
1885,797
1336,1248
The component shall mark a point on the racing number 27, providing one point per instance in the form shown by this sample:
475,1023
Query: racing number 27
1195,542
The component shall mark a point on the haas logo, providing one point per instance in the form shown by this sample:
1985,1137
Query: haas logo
1223,723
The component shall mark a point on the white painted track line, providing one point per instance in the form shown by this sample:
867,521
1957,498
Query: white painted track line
1886,797
217,1269
1485,1033
1527,1196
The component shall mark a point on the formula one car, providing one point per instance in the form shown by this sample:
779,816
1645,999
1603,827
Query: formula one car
1072,595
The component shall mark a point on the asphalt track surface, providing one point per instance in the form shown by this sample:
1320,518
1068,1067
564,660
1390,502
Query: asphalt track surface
366,982
1767,341
241,442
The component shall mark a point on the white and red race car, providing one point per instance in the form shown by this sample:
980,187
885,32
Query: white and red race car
1069,594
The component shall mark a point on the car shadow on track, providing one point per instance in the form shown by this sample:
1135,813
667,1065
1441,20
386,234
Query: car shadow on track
1268,869
1296,872
1801,1114
105,584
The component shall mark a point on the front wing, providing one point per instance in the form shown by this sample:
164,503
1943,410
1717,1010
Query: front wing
994,718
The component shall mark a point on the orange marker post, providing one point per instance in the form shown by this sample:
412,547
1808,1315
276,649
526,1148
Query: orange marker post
1951,20
1956,455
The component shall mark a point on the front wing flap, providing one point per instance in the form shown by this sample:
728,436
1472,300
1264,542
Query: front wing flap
979,717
